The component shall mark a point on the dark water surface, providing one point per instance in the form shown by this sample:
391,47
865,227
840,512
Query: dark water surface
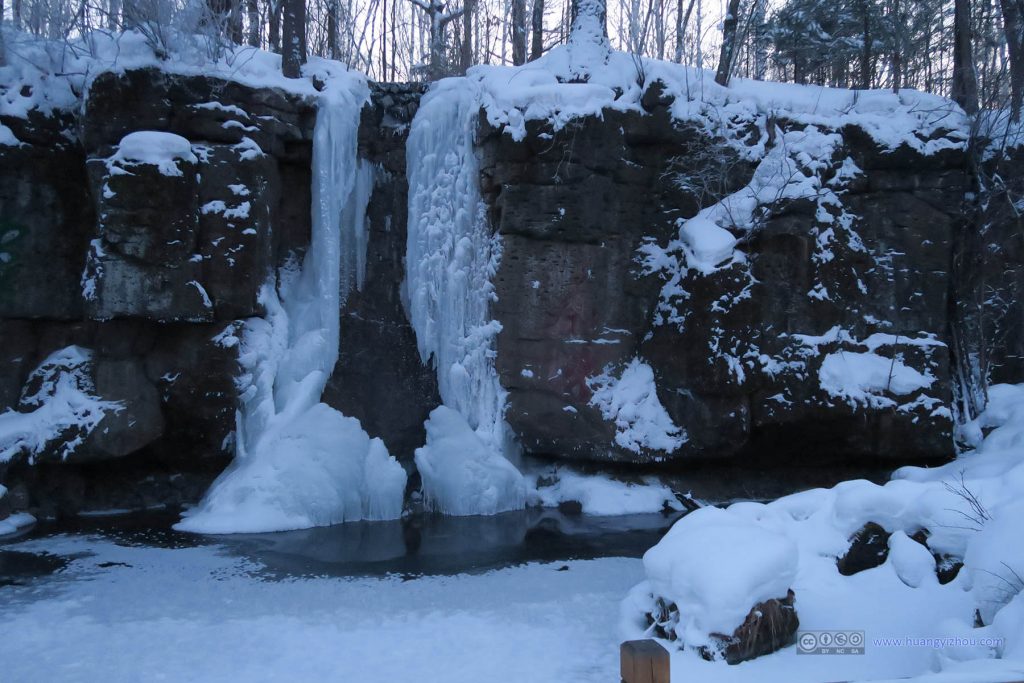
418,546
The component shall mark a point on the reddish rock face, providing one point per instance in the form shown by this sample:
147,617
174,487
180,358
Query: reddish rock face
573,208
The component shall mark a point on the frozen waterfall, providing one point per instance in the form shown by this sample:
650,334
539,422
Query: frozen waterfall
450,259
298,462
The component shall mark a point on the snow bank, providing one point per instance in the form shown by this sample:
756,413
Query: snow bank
550,89
461,474
15,523
162,150
298,462
631,402
601,495
711,563
715,565
61,396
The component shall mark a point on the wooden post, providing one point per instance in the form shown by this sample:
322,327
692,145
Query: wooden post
644,661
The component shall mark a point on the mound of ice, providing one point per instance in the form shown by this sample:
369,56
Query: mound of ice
16,522
631,402
461,474
318,469
715,566
162,150
863,377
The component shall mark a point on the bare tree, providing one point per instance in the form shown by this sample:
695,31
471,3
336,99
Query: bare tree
865,55
897,46
965,83
728,51
253,11
518,32
293,33
537,29
468,15
274,9
439,19
682,21
1012,13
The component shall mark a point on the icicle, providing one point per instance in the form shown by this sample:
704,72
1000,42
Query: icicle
450,259
298,462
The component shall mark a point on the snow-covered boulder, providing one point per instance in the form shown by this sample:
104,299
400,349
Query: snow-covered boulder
721,584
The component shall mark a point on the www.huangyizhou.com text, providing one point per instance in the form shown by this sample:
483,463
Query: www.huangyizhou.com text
938,643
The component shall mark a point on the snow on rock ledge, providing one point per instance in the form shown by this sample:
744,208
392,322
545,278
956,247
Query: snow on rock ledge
61,407
631,402
162,150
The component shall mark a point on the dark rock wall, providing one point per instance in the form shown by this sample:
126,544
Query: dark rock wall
379,377
573,206
145,271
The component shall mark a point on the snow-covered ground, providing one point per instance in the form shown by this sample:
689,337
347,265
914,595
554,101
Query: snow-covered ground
718,563
200,614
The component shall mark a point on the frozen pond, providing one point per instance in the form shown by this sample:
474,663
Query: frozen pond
530,596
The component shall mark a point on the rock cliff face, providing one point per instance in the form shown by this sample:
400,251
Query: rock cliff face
144,270
741,357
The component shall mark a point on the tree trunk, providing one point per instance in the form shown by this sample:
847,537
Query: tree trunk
682,21
466,58
586,15
113,15
518,32
274,25
897,47
1012,11
728,43
865,55
965,83
537,28
332,29
235,22
3,50
293,33
255,32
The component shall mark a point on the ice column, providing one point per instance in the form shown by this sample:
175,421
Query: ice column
450,259
298,462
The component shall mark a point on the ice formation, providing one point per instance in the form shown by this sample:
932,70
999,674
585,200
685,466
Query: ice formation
300,463
450,259
461,475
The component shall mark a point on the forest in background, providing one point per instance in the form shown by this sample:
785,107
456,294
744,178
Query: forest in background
970,50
